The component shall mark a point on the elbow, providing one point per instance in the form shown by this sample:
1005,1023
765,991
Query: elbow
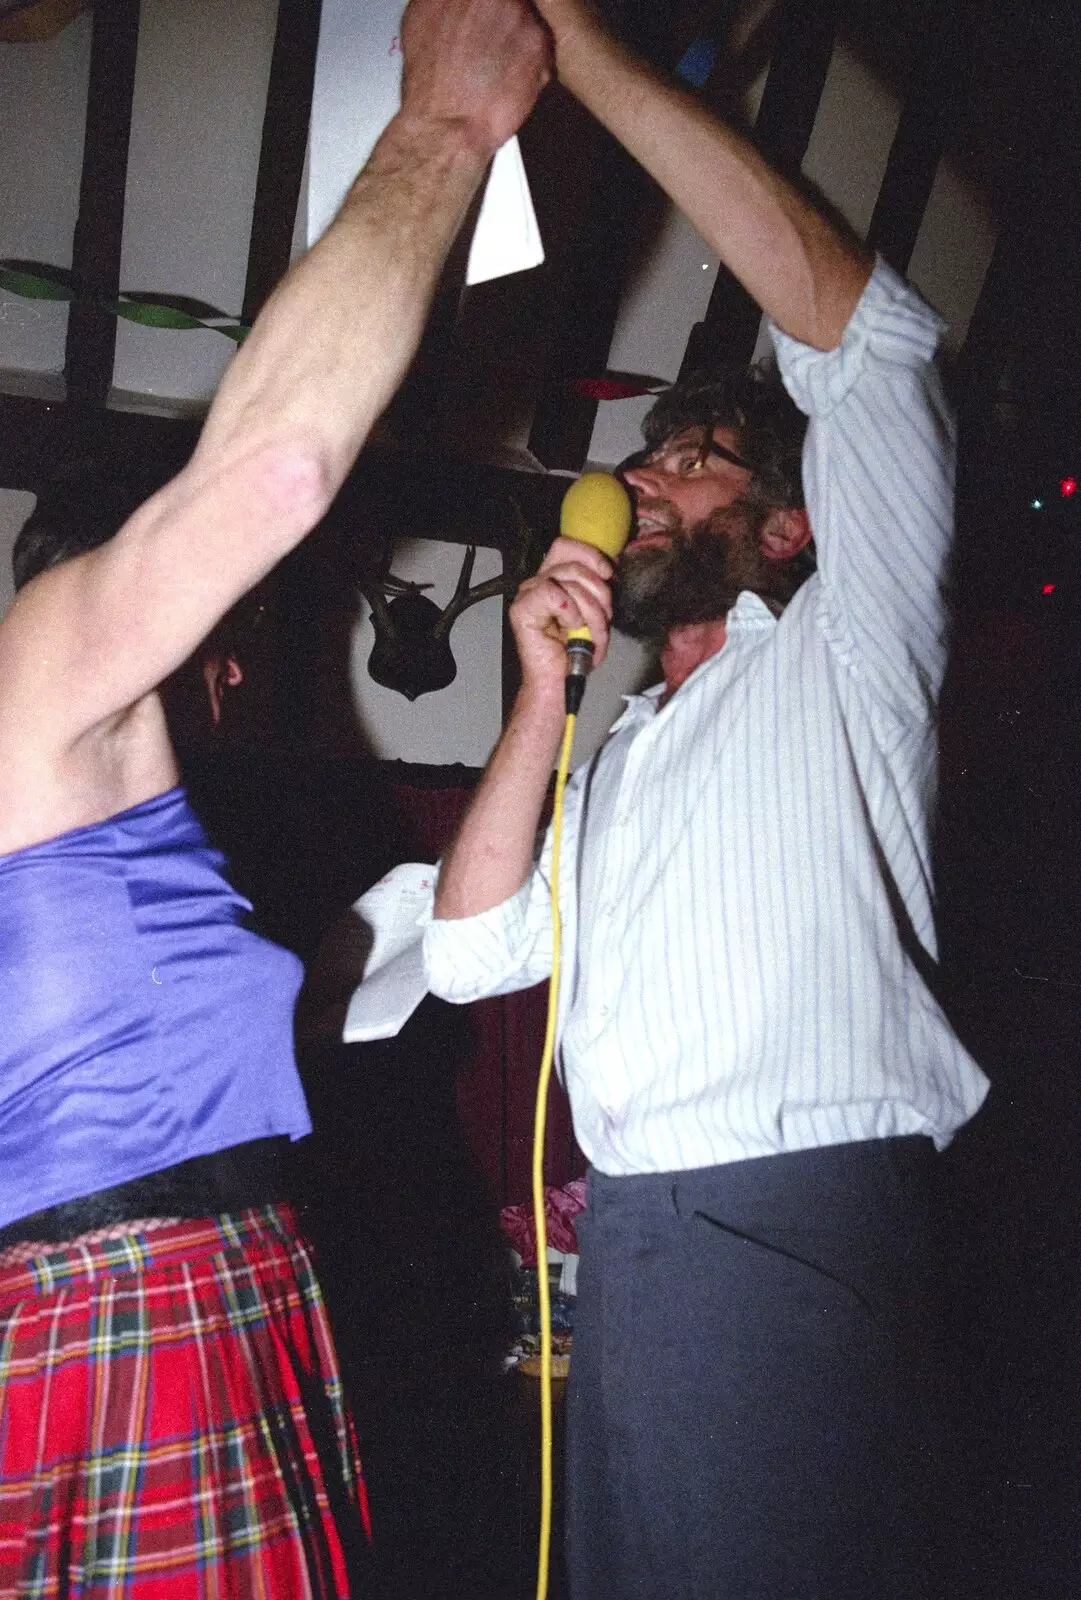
844,290
294,488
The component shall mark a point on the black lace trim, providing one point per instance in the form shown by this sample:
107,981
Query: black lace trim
251,1174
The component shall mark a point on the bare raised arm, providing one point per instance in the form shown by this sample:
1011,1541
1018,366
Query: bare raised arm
87,640
799,268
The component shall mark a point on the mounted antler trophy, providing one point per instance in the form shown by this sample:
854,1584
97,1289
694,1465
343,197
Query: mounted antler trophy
412,653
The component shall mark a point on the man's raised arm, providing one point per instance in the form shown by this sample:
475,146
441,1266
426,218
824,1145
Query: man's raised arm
804,273
322,361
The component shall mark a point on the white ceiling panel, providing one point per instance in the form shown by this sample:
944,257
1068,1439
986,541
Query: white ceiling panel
953,250
850,142
668,293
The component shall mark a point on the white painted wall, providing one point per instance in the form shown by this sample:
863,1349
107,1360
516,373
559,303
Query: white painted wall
15,506
42,124
460,723
358,45
197,118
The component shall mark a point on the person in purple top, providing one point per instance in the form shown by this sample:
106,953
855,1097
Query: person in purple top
171,1418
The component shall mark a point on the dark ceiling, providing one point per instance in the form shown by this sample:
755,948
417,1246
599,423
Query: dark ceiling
989,83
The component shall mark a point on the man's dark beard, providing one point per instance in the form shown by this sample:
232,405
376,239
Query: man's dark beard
695,577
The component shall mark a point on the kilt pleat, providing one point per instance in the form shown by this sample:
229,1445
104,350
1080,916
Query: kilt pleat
172,1421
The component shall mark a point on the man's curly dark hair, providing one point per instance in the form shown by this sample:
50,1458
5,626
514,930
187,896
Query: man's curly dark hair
752,401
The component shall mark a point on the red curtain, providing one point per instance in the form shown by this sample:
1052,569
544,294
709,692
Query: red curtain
496,1090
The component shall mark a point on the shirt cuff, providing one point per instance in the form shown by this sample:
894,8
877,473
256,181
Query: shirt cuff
466,958
891,325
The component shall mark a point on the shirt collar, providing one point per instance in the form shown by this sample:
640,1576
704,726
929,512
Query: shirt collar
749,612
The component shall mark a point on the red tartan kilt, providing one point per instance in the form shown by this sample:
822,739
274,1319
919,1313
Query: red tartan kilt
172,1422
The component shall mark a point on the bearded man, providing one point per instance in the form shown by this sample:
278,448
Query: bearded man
758,1068
696,550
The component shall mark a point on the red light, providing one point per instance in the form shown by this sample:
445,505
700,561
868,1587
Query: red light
1067,487
1048,588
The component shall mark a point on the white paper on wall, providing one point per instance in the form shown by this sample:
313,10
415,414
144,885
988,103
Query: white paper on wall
358,74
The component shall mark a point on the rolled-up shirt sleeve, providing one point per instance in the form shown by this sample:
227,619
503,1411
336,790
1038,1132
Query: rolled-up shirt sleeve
878,471
496,952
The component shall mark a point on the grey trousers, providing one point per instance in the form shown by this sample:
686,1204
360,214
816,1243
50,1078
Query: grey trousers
751,1408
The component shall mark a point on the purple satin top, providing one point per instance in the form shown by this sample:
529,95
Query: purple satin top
142,1023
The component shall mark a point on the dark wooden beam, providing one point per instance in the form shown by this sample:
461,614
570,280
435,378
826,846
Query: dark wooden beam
446,499
587,297
37,437
794,84
933,93
1036,247
797,76
281,158
454,501
588,301
28,442
990,330
91,340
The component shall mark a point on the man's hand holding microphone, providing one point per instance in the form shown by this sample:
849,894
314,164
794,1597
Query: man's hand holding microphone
493,853
562,616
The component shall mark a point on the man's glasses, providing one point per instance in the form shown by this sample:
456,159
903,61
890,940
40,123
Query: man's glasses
684,460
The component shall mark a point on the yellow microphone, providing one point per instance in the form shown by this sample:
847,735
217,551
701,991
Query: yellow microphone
596,510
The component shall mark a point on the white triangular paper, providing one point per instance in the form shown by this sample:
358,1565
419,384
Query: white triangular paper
358,75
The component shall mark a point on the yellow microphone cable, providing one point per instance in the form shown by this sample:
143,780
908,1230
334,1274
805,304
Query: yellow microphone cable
544,1304
596,510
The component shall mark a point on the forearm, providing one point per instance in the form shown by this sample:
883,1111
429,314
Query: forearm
335,339
804,273
492,854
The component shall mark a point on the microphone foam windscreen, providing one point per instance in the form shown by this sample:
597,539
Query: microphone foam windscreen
596,510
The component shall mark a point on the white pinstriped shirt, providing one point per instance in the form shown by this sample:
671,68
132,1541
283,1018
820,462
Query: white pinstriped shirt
746,888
